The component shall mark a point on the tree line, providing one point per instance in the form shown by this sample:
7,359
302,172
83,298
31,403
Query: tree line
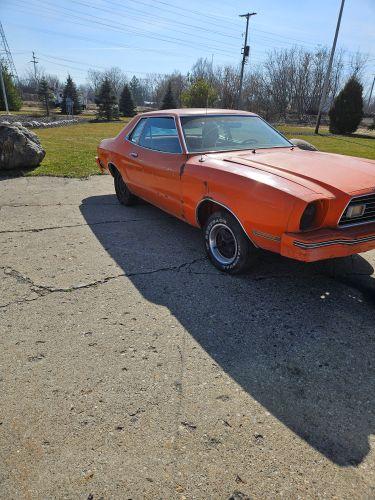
286,86
288,83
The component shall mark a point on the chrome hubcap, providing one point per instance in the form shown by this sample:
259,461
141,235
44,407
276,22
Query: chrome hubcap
223,244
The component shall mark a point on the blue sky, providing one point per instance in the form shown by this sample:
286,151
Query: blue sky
145,36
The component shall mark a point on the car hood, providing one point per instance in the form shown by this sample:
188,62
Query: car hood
313,169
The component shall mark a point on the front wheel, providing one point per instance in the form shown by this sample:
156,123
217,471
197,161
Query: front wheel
124,196
227,245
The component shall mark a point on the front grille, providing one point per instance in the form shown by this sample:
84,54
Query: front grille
368,214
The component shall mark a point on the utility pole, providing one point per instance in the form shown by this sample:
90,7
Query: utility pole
372,88
3,89
328,74
35,62
245,54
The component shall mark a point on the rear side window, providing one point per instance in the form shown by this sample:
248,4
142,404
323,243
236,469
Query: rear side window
137,130
160,134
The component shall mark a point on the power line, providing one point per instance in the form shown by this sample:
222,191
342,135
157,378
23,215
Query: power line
112,26
48,58
190,11
120,27
174,40
150,34
292,41
143,14
95,40
204,15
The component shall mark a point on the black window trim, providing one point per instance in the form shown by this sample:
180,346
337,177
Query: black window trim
155,150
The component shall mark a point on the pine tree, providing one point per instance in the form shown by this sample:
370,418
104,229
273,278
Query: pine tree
137,91
107,102
70,90
127,106
44,94
168,99
346,112
13,96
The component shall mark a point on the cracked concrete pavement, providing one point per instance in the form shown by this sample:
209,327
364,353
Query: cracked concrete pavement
131,368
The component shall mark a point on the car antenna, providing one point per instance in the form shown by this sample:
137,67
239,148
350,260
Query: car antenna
201,159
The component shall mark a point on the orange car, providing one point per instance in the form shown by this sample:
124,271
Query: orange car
241,181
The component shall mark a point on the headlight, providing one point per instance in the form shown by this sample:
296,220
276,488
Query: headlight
308,216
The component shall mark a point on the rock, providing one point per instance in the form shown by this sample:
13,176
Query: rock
238,495
301,144
19,148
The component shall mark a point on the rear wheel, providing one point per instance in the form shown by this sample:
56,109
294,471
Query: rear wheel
227,245
124,196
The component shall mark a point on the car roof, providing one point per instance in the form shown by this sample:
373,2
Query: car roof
197,111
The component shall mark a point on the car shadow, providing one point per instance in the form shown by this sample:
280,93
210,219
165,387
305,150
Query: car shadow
299,338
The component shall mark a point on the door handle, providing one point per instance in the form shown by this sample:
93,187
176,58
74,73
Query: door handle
134,155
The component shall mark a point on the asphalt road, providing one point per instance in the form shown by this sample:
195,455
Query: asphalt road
130,368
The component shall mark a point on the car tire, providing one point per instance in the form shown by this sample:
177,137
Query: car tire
124,196
227,245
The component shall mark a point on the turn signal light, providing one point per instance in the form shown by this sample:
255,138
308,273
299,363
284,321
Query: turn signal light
355,211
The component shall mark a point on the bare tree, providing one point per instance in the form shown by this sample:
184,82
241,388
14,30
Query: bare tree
357,65
228,81
202,69
115,76
287,85
29,83
178,84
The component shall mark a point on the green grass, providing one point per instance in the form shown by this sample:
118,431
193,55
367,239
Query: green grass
70,151
353,145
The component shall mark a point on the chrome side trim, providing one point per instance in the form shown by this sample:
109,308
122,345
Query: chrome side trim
227,208
320,244
267,236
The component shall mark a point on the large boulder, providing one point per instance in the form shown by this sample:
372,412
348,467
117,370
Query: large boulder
19,148
301,144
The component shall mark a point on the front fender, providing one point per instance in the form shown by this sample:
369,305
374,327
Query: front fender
265,210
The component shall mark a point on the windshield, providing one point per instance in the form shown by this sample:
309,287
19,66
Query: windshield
229,133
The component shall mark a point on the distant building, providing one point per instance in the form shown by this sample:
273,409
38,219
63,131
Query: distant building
59,96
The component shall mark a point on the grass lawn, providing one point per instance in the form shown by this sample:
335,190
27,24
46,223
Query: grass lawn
354,145
71,150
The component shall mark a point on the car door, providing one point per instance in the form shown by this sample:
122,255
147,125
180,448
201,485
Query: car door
131,163
160,153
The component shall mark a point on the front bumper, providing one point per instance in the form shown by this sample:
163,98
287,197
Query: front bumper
328,243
